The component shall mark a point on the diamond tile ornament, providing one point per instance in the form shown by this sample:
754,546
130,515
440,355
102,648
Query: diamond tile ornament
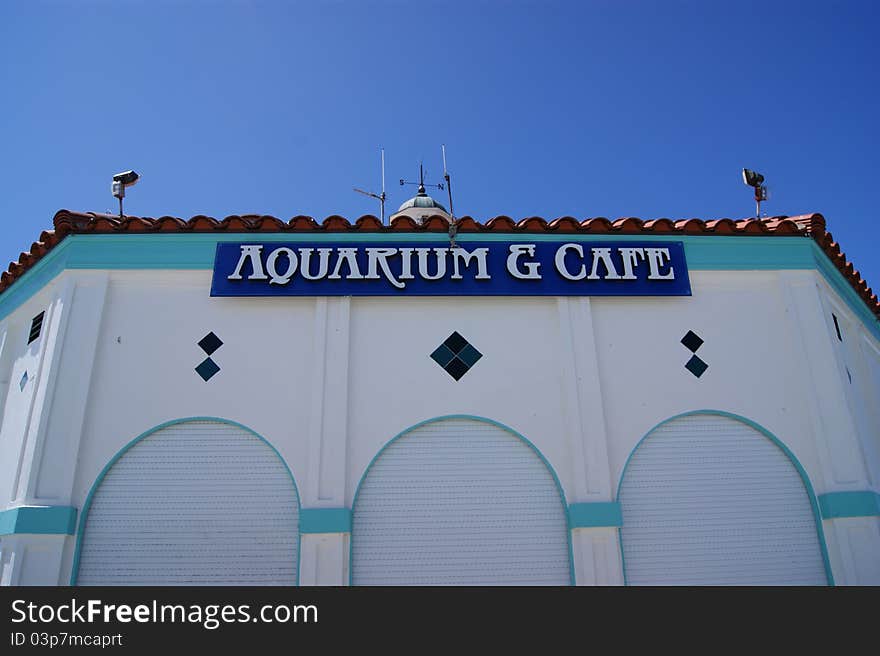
456,355
210,343
207,369
692,341
696,366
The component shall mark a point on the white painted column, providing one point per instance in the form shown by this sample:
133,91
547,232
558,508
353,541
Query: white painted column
596,551
867,365
8,335
597,556
324,556
53,429
17,361
31,559
54,330
36,559
832,428
324,559
62,428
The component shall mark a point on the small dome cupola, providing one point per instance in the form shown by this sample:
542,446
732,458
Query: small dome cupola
421,206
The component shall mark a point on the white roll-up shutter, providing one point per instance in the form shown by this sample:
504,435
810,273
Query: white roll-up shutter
709,500
459,502
195,503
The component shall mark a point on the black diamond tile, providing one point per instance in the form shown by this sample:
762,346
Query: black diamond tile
455,342
210,343
469,355
456,355
207,369
696,366
692,341
442,355
456,368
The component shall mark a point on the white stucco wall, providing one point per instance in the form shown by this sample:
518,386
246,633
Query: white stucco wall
329,381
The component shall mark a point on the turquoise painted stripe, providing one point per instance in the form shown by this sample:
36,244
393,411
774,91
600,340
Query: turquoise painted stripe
41,520
849,504
325,520
196,252
599,513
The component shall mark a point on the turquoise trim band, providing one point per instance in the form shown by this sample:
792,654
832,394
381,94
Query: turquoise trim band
325,520
591,515
74,570
800,469
849,504
196,251
491,422
39,520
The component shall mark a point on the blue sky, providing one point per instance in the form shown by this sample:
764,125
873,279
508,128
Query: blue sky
593,108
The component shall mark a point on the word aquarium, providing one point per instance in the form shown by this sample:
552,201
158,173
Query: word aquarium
436,269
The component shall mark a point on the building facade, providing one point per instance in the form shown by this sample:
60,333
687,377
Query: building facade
166,422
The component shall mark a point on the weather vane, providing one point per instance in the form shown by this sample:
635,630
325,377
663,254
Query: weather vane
421,182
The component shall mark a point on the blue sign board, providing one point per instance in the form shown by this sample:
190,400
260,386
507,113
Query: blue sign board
514,268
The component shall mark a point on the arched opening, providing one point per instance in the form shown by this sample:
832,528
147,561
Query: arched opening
460,501
711,499
192,502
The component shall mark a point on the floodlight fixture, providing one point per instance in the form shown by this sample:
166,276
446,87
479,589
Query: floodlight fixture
120,182
752,178
127,178
755,180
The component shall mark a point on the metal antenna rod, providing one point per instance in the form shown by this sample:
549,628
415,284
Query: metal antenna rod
382,197
379,197
448,181
453,226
